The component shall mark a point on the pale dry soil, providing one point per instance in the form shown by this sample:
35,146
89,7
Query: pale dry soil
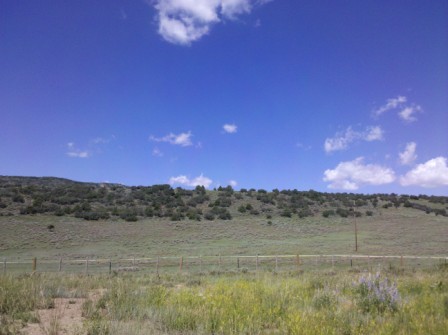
64,318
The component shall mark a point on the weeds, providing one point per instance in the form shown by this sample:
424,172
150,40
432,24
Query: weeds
376,294
309,303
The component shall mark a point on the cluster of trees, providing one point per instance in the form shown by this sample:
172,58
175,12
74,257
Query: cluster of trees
21,195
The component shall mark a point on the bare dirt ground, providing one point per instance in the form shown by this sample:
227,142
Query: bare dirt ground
64,318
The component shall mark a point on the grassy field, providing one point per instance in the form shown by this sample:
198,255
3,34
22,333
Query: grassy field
307,300
389,231
323,302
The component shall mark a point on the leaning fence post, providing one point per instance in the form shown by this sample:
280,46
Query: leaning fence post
34,264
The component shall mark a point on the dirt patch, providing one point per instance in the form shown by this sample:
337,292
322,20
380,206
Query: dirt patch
64,318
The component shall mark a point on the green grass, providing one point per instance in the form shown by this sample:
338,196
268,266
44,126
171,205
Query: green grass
314,302
390,231
311,303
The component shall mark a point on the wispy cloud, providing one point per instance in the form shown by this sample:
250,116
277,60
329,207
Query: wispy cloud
391,104
102,140
303,146
230,128
233,183
182,139
408,156
408,113
404,111
73,151
433,173
185,21
156,152
354,174
184,180
342,140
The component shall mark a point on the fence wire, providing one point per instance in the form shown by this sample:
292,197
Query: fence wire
223,263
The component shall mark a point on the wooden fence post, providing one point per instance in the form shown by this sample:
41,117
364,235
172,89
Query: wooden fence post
332,262
200,264
157,265
4,266
298,262
110,266
401,261
276,263
34,264
256,264
87,266
220,260
238,262
181,263
60,265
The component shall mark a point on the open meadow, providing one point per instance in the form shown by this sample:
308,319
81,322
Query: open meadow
87,259
377,298
393,301
391,232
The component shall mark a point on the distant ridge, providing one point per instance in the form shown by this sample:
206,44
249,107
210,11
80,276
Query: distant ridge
103,201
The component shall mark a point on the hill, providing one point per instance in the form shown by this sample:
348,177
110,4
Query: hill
93,201
51,217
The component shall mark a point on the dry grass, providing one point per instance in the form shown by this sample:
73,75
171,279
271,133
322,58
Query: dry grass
390,231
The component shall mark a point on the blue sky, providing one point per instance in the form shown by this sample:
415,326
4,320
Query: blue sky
337,96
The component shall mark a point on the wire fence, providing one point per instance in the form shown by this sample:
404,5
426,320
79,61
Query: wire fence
223,263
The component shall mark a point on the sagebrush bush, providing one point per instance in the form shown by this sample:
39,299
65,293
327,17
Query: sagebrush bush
376,294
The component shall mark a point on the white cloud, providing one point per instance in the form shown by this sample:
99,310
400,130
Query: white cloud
408,156
182,139
433,173
342,140
101,140
230,128
391,104
198,181
303,146
351,175
373,134
73,151
156,152
407,114
231,8
185,21
233,183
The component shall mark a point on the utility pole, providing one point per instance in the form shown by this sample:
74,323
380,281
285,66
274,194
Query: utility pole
356,228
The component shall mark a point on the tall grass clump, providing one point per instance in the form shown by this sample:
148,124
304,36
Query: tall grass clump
376,294
18,299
